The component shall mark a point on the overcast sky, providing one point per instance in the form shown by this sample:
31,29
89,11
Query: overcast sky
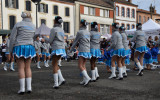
145,4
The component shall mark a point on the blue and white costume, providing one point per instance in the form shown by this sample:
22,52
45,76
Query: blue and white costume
95,43
38,45
46,50
154,52
21,39
148,57
83,38
108,57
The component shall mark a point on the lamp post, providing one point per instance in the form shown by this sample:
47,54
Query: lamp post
36,3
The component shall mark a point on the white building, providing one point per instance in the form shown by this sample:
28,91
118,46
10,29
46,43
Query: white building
47,11
125,14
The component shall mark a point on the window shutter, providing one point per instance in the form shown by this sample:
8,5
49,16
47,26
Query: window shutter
46,8
6,3
17,4
12,21
28,5
55,10
67,11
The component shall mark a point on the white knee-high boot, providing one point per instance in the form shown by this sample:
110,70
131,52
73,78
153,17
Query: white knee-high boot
86,77
5,66
140,73
113,75
29,82
96,73
59,62
38,65
22,86
93,72
120,76
124,71
55,76
47,63
12,66
61,79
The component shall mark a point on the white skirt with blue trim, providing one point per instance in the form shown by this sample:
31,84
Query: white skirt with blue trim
47,54
59,52
95,53
119,52
142,49
147,61
26,51
85,54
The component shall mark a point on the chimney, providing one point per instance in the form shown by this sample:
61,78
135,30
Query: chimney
130,1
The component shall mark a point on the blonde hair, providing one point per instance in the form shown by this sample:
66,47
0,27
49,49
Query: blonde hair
26,14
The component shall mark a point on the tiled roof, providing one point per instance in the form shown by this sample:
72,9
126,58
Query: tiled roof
145,11
124,2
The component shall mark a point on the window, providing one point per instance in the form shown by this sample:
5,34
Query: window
67,11
102,29
144,19
106,13
28,5
66,27
139,19
101,12
86,10
123,25
12,4
133,13
12,21
43,21
117,11
43,8
133,26
123,12
92,11
128,27
128,12
55,10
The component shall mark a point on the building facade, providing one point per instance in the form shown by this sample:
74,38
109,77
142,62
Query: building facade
94,10
144,15
125,14
47,10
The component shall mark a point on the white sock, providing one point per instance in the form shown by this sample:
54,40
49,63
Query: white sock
55,76
29,86
124,69
96,71
84,72
22,84
139,65
120,72
93,74
12,64
113,69
60,75
59,62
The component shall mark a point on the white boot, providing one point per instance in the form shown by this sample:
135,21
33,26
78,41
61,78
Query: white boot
12,66
29,86
59,62
5,66
38,65
61,79
22,86
86,77
96,73
47,63
140,73
93,72
55,76
124,71
120,76
113,75
82,82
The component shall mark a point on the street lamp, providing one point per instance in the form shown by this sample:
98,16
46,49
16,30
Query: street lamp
36,3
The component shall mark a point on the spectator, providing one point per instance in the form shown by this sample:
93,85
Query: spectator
3,46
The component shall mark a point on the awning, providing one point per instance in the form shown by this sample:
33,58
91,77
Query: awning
5,32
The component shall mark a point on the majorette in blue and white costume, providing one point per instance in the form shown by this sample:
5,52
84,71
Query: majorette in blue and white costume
127,51
108,57
117,46
154,52
46,54
139,38
22,46
83,38
148,57
94,49
57,42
